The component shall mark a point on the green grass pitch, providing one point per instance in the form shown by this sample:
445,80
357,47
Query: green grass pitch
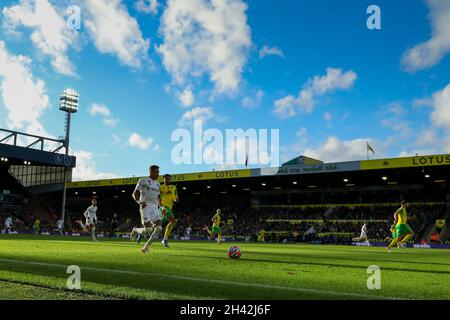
35,268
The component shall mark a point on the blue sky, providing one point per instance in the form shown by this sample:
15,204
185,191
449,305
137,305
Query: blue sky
311,69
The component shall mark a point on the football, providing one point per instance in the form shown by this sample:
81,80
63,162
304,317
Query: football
234,252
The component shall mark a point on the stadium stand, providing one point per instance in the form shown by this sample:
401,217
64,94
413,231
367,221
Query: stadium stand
322,203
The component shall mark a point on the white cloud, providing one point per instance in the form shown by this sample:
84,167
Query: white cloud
285,107
186,98
253,101
270,51
115,32
50,33
327,116
392,117
202,114
206,37
440,116
147,6
23,95
136,140
86,168
335,79
102,110
334,149
432,51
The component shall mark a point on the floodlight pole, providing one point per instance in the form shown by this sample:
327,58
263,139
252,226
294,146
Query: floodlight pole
69,104
66,145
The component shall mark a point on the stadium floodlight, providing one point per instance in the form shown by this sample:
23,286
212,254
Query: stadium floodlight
69,101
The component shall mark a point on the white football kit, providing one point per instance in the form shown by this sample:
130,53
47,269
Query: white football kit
91,215
149,193
363,232
8,223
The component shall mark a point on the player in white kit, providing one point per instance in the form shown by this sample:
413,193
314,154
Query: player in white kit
147,195
60,226
8,225
91,219
363,235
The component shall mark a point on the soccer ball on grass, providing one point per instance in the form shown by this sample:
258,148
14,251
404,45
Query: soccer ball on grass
234,252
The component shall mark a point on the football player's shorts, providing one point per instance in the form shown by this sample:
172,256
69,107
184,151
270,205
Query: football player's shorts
215,230
403,229
89,221
167,214
150,214
363,235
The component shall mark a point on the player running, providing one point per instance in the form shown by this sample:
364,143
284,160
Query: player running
393,235
169,196
8,225
363,235
215,230
60,226
147,195
403,231
91,219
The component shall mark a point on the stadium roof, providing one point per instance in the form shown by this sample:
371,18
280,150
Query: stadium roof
17,151
287,170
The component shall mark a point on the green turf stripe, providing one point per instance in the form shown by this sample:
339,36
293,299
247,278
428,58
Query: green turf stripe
212,281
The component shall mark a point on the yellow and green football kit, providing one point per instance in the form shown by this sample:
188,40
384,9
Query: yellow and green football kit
169,195
216,225
402,228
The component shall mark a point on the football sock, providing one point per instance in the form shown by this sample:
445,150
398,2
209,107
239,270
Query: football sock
93,233
393,243
169,229
154,237
407,238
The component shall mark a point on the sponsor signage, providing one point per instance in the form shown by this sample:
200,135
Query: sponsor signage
419,161
313,168
213,175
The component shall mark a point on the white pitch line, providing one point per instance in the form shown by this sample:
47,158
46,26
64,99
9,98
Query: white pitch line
212,281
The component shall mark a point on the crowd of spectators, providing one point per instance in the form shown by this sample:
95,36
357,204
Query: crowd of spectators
337,224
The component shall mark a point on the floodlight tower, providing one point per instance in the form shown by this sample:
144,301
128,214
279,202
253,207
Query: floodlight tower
69,102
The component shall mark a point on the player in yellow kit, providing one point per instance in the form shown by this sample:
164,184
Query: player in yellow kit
403,232
169,196
215,230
